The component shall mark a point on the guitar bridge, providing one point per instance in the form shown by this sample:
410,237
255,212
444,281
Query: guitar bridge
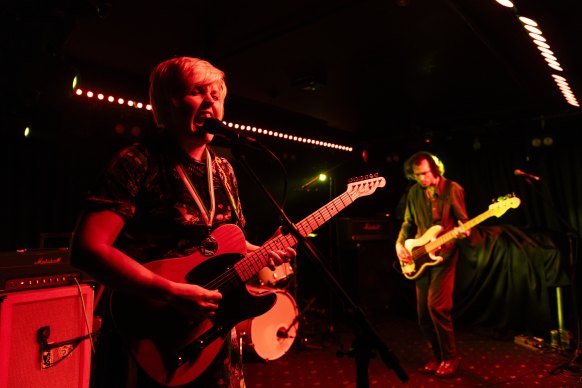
194,348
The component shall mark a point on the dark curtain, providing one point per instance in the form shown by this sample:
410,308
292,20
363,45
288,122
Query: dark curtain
506,278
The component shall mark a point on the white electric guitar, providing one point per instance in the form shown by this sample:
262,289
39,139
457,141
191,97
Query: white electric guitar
423,249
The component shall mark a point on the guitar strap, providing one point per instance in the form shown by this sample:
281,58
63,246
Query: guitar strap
446,199
228,187
444,203
227,184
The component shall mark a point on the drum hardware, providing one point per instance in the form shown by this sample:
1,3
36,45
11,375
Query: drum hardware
269,336
276,278
305,341
283,332
284,281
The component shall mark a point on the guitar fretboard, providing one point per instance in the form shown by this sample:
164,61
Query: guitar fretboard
445,238
257,260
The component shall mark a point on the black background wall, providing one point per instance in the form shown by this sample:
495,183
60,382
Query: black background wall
45,176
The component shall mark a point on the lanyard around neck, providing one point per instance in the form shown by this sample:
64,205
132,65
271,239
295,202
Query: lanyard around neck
207,213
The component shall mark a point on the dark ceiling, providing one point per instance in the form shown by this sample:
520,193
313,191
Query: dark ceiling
376,68
382,73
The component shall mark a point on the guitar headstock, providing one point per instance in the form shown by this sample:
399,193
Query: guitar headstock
504,203
365,185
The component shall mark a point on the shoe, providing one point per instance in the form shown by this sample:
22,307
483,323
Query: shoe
448,368
431,367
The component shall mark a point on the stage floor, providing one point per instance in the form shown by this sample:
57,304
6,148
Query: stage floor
488,359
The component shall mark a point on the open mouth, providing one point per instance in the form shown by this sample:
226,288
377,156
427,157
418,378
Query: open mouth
199,120
201,117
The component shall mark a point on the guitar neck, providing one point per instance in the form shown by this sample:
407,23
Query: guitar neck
445,238
257,260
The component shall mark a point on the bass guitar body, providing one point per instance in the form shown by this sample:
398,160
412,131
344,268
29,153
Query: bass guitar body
423,250
421,257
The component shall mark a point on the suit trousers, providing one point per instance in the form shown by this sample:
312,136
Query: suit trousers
434,297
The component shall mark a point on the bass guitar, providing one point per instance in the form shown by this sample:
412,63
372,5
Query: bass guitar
174,350
424,249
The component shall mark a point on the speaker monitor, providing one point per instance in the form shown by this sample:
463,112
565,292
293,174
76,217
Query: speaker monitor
44,337
367,275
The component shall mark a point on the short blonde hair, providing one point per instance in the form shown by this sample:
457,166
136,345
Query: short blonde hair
177,76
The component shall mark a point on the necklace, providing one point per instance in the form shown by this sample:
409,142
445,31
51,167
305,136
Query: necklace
209,245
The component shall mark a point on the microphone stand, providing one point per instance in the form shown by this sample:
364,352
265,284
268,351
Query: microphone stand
367,339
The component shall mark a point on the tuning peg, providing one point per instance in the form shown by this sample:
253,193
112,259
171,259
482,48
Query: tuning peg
502,198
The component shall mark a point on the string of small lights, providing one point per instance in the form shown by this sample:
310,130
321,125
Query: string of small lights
129,103
535,32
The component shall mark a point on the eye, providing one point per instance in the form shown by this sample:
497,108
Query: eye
196,91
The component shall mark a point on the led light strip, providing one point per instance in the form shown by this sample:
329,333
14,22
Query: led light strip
534,31
111,99
266,132
285,136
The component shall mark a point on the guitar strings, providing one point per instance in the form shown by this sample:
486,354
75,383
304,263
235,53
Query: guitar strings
246,268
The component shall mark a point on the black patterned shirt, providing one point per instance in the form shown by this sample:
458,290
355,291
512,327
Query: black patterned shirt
142,185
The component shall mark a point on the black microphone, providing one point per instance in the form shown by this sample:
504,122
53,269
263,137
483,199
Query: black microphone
218,128
525,174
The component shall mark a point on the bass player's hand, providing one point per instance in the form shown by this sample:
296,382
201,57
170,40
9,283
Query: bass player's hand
403,254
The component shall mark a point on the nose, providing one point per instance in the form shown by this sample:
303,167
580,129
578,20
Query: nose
210,95
207,101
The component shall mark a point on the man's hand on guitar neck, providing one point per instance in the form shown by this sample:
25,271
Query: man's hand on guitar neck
460,232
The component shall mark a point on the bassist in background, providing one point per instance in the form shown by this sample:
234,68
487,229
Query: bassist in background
434,200
160,199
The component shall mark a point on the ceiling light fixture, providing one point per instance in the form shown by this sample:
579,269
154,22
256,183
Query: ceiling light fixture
533,29
550,56
505,3
535,32
528,21
537,36
545,50
539,43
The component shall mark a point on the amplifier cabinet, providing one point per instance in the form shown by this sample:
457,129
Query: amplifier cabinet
364,229
44,337
38,268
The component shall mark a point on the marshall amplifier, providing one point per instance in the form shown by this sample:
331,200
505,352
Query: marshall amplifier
44,337
364,229
37,268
